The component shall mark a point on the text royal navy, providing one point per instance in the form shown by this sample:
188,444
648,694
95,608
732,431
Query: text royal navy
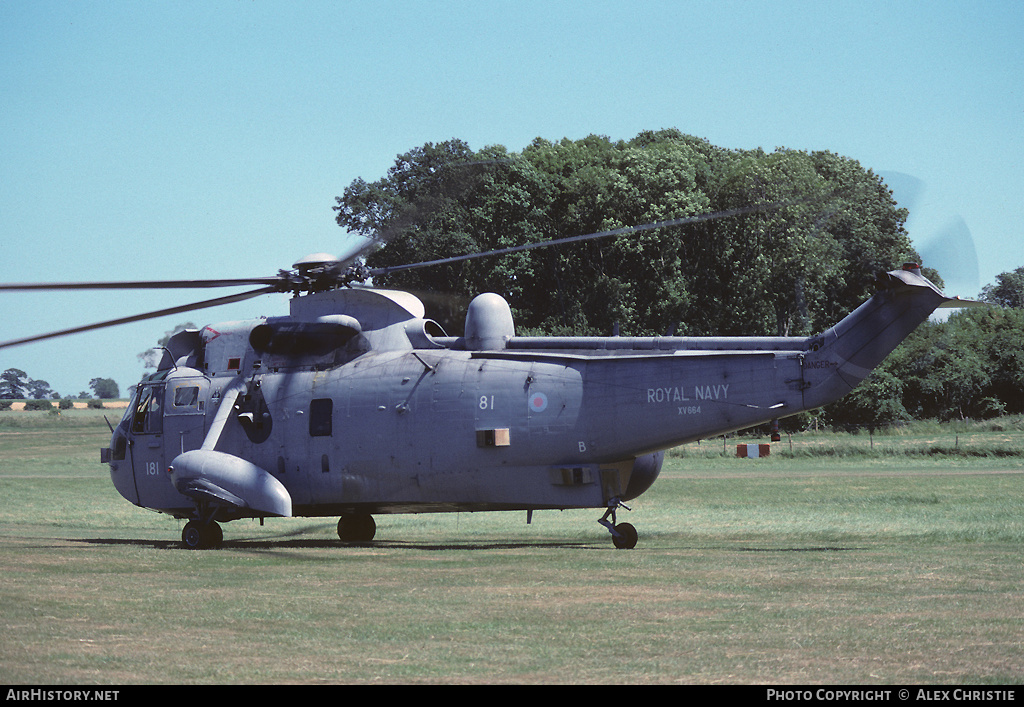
680,393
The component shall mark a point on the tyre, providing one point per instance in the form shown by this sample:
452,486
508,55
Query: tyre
196,536
357,528
626,538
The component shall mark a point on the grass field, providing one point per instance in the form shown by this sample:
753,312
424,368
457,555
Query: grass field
852,559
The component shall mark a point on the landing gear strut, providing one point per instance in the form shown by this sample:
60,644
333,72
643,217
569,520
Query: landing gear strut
624,535
200,536
358,528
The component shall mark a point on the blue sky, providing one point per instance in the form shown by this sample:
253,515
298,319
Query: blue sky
209,139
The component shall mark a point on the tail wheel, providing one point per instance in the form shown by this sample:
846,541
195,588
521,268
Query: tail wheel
625,536
357,528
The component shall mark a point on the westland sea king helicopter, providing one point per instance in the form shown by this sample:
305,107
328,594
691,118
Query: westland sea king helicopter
355,404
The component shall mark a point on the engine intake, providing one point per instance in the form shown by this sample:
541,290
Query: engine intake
288,336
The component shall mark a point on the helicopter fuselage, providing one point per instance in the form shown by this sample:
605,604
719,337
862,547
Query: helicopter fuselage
356,405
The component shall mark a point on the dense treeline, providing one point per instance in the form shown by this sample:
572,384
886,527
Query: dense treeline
792,269
789,270
16,384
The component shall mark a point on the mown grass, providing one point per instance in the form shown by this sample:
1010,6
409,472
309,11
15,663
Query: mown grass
854,567
966,439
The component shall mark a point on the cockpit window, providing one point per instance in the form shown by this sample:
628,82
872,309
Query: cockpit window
146,417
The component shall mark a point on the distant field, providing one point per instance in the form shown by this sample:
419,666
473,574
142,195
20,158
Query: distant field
850,559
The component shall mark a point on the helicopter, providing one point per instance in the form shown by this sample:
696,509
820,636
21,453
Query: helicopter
355,404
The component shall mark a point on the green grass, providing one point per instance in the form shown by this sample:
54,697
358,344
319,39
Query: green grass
995,439
882,566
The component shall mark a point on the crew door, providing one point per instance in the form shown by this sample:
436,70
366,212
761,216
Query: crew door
184,415
168,418
146,447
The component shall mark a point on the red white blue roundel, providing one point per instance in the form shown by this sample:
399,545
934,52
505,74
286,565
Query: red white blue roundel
538,402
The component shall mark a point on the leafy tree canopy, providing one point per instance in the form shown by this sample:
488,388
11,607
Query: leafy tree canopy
105,388
13,383
1008,290
791,269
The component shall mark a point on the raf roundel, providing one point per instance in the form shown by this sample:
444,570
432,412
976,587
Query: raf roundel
538,402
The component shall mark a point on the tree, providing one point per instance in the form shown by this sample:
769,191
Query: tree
637,280
801,266
1008,290
13,383
876,402
40,389
105,388
827,227
993,340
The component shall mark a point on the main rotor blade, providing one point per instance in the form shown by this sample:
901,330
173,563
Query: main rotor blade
140,317
686,220
137,284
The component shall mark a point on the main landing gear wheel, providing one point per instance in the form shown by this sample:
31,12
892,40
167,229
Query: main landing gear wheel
357,529
624,535
200,536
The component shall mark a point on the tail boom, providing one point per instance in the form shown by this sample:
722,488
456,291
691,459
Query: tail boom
843,356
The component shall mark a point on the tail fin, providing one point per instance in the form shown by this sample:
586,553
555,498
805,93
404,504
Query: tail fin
844,355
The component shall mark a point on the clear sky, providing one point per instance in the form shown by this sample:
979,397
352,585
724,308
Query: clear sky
162,140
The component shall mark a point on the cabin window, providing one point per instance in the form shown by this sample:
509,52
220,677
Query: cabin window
321,412
186,396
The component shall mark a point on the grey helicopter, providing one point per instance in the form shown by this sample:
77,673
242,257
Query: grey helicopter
355,404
